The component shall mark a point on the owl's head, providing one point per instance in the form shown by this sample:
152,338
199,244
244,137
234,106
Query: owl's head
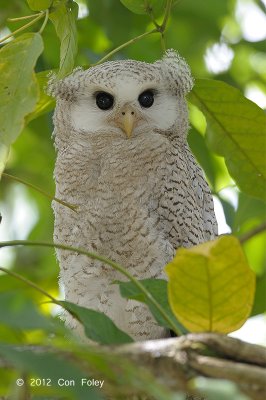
127,98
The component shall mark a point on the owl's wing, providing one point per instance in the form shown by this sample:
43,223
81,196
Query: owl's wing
186,206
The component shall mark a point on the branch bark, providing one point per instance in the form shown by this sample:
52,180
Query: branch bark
175,361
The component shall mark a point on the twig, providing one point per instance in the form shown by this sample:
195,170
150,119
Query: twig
23,27
131,41
49,196
29,283
22,18
246,236
167,14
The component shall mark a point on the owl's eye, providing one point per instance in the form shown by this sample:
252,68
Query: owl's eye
104,100
146,99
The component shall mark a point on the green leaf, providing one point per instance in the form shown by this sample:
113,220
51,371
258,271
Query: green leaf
98,326
39,5
20,313
211,287
51,367
45,103
158,289
64,20
18,87
236,131
144,6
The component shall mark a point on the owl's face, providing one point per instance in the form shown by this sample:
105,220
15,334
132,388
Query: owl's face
128,98
124,105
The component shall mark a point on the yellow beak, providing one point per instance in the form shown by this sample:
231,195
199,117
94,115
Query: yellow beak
128,122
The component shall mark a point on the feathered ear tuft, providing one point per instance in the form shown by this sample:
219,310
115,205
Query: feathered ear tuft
177,70
65,88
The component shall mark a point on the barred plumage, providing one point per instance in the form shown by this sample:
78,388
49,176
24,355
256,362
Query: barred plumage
139,191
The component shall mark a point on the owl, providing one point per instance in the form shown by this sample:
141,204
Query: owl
120,133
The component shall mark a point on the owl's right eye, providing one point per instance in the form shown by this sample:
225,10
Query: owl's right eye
104,100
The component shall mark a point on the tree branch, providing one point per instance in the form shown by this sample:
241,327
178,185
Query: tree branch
246,236
174,362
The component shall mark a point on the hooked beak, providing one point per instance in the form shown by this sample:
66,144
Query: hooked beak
127,121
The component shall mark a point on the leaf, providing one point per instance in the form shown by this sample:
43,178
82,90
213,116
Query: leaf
98,326
45,103
51,367
39,5
211,287
18,87
158,289
20,313
236,131
64,20
143,6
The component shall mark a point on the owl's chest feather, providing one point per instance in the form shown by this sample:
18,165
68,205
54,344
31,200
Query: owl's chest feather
103,170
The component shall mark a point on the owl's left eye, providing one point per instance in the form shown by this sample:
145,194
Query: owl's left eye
146,99
104,100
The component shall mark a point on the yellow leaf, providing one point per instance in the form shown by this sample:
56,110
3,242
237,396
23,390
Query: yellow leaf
211,287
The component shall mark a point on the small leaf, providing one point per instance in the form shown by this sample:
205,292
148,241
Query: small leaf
236,131
19,96
158,289
64,20
98,326
39,5
211,287
143,6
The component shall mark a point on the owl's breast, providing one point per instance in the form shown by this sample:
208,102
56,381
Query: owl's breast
118,189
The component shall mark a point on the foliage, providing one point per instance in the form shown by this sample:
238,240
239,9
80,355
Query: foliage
231,154
211,287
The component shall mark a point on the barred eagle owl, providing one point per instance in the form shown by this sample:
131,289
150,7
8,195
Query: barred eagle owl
123,159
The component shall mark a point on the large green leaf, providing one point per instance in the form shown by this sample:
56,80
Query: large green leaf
144,6
18,87
64,20
236,130
211,287
158,289
98,326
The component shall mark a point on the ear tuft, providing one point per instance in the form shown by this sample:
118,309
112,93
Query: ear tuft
178,71
65,88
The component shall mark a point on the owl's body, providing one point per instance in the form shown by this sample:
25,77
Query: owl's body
139,192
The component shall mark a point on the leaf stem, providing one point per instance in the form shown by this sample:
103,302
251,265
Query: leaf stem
167,14
37,189
22,18
29,283
22,28
249,235
122,46
103,259
44,22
